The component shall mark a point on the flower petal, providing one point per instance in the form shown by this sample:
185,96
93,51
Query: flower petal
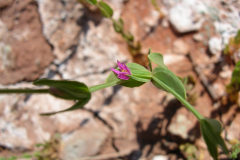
126,69
123,76
120,65
116,71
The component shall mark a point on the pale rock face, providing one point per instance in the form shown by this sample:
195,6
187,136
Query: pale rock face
82,143
180,47
182,123
96,52
172,58
180,126
186,16
5,3
198,37
59,25
160,157
215,45
233,131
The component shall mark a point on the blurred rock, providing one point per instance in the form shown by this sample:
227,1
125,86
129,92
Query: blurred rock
22,58
219,88
151,20
226,74
180,47
5,3
60,25
215,45
181,124
186,16
198,37
160,157
165,23
170,59
22,127
82,143
233,131
179,127
96,52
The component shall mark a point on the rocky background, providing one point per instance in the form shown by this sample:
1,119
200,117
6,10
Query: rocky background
65,39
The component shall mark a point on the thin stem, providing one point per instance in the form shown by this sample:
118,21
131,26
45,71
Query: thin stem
149,61
184,102
26,90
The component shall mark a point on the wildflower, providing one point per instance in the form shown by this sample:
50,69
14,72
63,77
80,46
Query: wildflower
124,71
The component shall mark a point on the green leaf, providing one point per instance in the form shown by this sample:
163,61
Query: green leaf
235,151
211,130
140,75
70,90
157,58
118,25
237,38
92,2
105,9
236,74
12,158
77,105
26,156
212,148
169,80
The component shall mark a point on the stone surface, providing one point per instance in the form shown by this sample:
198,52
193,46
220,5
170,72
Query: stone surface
22,58
96,52
82,143
198,37
160,157
181,124
233,131
22,127
215,45
170,59
180,47
60,25
5,3
186,16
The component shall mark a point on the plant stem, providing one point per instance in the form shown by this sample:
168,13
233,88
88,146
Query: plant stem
26,90
180,98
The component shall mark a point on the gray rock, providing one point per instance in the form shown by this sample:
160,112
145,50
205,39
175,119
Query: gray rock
233,131
198,37
180,47
182,123
5,3
96,52
186,16
82,143
215,45
160,157
22,127
60,26
180,126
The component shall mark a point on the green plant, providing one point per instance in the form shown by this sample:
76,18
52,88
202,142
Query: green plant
235,151
48,150
155,5
134,47
132,75
233,45
189,150
234,87
189,84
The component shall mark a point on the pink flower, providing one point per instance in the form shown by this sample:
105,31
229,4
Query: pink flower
124,71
